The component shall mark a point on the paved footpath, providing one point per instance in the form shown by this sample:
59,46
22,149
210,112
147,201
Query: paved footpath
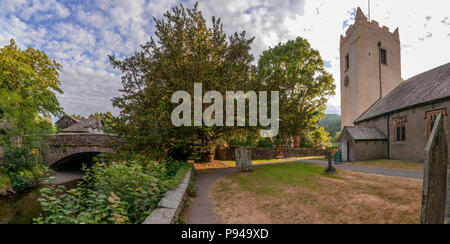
372,170
201,212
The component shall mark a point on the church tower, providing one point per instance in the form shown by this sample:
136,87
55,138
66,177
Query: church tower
370,66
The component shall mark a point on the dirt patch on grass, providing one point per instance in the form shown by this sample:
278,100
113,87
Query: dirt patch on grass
232,164
213,165
348,197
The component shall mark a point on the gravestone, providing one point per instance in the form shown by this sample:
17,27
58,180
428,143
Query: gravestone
330,169
447,208
435,176
243,159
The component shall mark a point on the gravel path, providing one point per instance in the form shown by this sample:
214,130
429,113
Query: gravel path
201,212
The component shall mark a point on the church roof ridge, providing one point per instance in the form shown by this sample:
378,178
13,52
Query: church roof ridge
427,87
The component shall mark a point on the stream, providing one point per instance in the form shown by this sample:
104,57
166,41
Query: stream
23,207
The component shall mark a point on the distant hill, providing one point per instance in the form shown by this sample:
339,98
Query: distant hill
331,123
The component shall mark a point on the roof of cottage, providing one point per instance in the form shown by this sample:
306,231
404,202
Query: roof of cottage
70,116
84,125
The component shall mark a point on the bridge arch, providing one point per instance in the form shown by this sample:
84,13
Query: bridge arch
62,147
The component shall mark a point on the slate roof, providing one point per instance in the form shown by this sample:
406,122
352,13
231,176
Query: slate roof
70,116
84,125
364,133
421,89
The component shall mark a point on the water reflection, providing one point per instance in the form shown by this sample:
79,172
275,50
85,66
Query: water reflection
22,208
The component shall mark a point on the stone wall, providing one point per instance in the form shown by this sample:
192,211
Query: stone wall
362,88
77,139
65,145
370,150
259,153
416,131
171,205
55,154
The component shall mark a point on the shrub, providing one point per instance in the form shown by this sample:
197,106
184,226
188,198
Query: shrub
5,184
21,180
124,192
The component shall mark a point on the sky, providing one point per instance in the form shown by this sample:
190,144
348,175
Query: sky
81,34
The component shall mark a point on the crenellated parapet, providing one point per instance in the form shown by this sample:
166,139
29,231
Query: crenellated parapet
362,21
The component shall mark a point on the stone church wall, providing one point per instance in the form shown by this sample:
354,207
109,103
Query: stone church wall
412,150
370,150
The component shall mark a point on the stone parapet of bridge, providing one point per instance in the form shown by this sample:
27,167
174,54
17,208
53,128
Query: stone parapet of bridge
61,146
80,139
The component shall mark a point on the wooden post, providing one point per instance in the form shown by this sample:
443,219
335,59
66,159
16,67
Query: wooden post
435,175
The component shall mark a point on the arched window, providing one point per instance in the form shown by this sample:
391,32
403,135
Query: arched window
400,129
431,118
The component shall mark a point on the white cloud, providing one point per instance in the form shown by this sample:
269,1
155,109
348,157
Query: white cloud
80,35
36,7
265,20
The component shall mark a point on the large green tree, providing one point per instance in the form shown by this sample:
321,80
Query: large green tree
29,80
297,71
186,51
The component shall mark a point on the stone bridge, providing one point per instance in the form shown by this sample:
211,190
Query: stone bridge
67,147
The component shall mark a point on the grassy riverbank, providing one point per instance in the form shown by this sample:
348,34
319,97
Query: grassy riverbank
112,193
15,182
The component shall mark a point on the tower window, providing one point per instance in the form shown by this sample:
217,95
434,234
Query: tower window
383,57
347,62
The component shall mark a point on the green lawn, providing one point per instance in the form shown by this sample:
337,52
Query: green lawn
317,158
265,177
263,161
298,192
390,164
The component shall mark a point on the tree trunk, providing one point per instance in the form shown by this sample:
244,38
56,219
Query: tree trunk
297,141
207,156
